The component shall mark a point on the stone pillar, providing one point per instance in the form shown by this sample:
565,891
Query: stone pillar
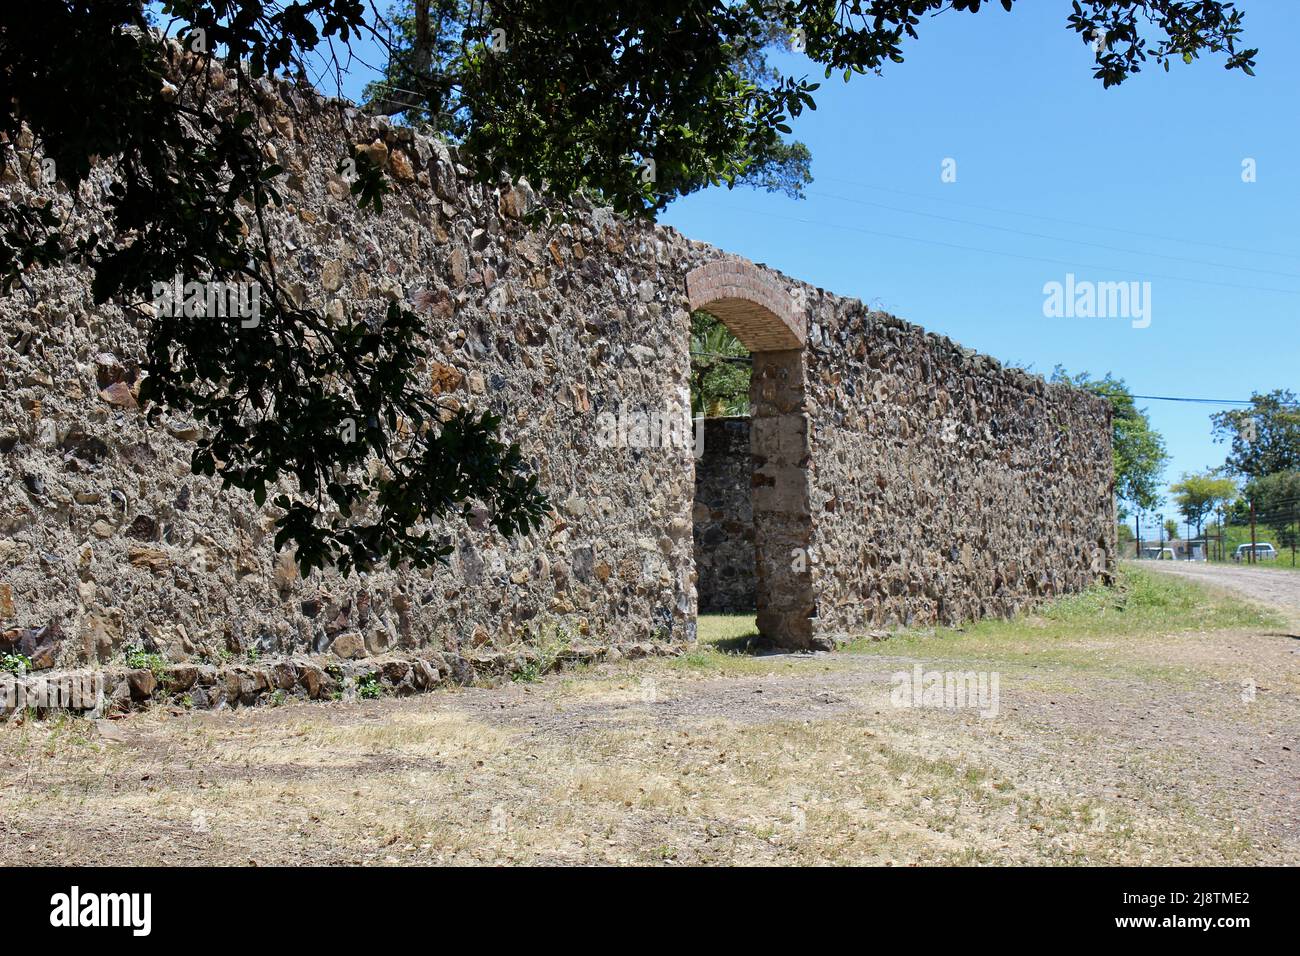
780,443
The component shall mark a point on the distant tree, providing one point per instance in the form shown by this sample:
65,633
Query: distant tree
424,45
1139,450
720,370
1171,528
1263,439
1277,505
1198,495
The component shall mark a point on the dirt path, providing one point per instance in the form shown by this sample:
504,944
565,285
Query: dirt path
1165,748
1275,587
804,761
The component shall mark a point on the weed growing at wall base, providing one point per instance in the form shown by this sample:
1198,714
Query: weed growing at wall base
18,664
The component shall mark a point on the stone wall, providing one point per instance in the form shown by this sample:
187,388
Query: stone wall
724,520
901,479
930,501
108,541
944,486
897,478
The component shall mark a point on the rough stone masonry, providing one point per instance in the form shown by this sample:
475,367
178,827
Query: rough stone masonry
897,478
724,519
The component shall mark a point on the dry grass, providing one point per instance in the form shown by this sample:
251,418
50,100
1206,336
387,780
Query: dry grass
1109,748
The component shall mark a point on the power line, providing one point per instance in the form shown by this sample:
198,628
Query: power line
1050,238
1277,508
1013,255
1066,222
1208,401
748,359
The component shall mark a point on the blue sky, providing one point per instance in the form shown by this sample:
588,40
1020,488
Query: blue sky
1142,182
1011,98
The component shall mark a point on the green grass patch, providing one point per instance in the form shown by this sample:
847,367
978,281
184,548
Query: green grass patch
725,644
726,632
1282,563
1063,632
1101,629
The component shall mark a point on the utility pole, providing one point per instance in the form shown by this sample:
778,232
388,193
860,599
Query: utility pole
1161,520
1137,530
1252,530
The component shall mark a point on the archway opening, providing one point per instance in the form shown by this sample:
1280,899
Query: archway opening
764,320
722,517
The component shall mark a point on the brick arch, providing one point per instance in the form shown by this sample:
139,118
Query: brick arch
763,314
749,301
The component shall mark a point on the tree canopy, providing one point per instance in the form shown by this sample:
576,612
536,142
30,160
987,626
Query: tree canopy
1263,439
428,50
1277,505
720,369
585,93
640,102
1197,495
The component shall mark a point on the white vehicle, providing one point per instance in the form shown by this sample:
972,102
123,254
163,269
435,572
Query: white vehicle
1263,552
1158,554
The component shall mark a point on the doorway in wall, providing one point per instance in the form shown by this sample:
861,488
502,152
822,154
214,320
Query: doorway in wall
761,315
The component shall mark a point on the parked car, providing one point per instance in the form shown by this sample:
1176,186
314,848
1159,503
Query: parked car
1158,554
1263,552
